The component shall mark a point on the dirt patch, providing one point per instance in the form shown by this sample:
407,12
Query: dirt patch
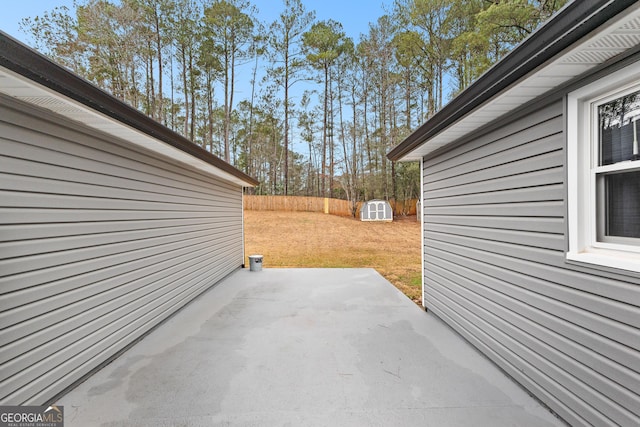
307,239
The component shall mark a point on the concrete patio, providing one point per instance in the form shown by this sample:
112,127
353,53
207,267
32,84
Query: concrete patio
302,347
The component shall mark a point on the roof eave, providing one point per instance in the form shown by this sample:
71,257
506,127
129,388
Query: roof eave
572,23
31,65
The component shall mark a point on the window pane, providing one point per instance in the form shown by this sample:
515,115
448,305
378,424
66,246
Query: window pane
622,195
617,127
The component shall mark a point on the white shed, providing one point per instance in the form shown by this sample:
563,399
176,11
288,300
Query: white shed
376,210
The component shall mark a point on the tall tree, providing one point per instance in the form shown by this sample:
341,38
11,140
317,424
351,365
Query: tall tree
231,30
258,50
377,51
307,121
468,50
431,17
407,55
211,68
324,43
155,20
187,36
504,23
347,82
284,42
112,42
55,34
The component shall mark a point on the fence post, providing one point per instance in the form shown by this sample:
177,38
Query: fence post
326,205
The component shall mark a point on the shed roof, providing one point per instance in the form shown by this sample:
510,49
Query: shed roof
31,77
578,39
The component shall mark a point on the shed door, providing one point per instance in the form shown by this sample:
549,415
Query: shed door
373,210
381,210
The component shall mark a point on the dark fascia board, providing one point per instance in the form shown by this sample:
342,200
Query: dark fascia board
34,66
567,27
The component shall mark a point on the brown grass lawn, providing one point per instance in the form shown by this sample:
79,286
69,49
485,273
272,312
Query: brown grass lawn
307,239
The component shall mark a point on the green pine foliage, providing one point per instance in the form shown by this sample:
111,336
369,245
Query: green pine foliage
294,102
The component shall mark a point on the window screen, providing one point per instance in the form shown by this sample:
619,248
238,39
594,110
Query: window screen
619,187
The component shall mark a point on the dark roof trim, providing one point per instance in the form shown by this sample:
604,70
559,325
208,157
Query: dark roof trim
566,28
28,63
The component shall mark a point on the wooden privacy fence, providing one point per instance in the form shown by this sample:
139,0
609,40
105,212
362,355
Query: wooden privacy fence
317,204
403,207
297,204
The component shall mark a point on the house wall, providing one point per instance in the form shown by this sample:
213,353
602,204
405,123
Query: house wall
495,270
99,242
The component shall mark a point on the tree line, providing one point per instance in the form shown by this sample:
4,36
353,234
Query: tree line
343,102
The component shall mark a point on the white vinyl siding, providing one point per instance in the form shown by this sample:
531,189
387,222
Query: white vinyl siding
495,270
99,243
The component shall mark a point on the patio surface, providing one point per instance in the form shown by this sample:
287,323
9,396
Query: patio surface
302,347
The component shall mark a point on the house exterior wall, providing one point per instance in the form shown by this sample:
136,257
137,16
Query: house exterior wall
495,237
99,242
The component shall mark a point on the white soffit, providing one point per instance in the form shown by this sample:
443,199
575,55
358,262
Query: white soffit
19,87
619,35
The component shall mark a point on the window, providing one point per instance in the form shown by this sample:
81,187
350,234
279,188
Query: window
617,174
603,161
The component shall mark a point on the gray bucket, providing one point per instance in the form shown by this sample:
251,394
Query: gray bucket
255,262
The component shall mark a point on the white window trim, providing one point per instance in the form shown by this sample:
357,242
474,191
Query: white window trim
583,244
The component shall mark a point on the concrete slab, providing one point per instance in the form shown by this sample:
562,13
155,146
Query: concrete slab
302,347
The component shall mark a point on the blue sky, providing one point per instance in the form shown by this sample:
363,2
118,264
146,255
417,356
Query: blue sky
355,15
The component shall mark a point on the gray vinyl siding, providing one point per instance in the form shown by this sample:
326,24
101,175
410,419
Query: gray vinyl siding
99,242
495,270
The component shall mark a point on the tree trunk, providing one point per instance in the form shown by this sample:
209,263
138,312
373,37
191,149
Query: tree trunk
286,123
186,90
149,81
231,88
227,107
408,98
323,171
331,140
250,169
192,81
159,107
